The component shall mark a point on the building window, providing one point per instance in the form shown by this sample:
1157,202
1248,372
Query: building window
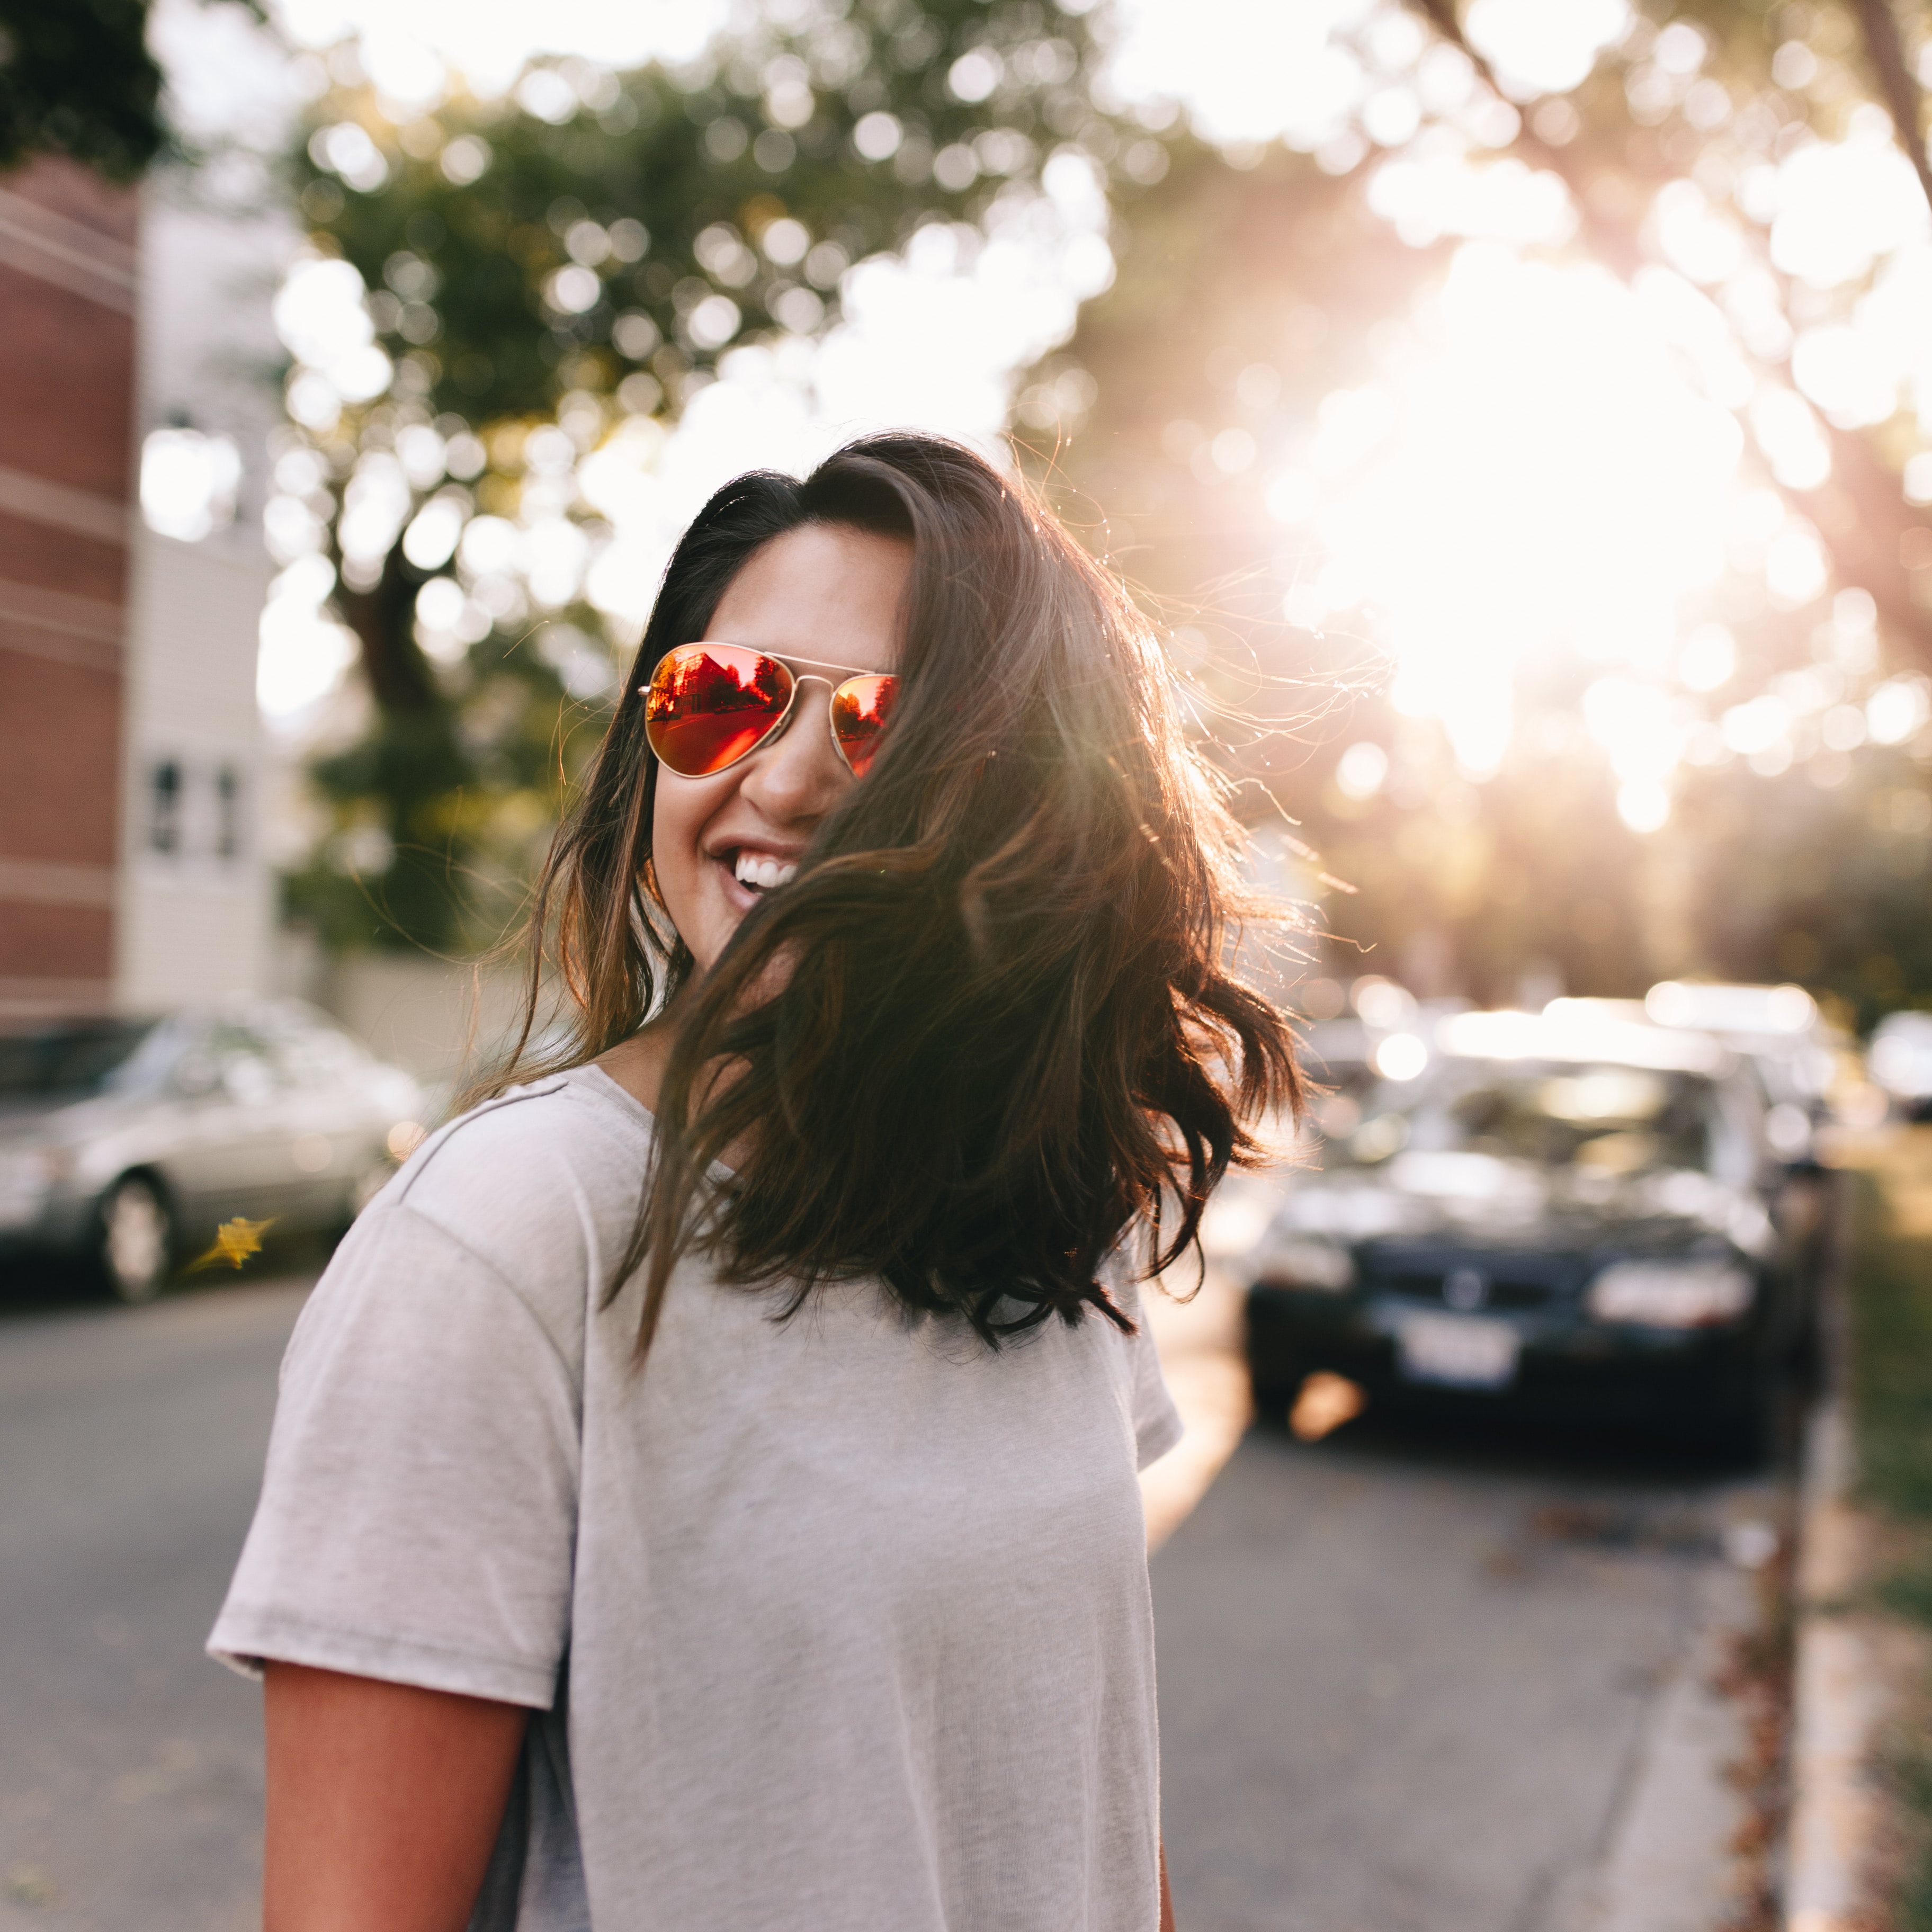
164,807
227,812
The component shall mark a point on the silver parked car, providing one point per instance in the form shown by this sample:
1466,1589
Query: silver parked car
125,1143
1901,1062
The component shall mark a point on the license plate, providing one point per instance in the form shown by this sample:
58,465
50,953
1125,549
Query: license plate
1459,1351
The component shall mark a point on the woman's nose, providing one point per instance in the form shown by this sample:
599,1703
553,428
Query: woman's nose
799,774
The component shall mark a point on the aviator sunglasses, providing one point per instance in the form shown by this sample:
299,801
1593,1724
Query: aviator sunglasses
707,705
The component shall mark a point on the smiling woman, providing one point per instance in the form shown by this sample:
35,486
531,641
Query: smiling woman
1029,873
743,1527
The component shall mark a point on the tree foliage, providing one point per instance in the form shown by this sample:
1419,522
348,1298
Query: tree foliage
1255,286
76,79
545,270
1273,286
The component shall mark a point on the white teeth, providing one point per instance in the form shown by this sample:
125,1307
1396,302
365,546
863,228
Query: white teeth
765,874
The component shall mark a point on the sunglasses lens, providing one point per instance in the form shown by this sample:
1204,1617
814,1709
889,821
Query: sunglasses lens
861,707
710,704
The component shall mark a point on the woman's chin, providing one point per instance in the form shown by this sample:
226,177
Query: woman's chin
724,902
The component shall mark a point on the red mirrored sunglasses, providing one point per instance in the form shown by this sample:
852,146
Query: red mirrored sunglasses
707,705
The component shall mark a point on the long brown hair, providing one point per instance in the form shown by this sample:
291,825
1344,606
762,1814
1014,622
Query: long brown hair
1003,1032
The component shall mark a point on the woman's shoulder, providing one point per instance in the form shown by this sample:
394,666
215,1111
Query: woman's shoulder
579,1114
551,1170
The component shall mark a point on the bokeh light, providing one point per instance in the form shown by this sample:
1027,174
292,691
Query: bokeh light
188,482
1532,474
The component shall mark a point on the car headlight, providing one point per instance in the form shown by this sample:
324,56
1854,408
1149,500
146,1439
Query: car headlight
1671,1295
27,1176
38,1167
1299,1261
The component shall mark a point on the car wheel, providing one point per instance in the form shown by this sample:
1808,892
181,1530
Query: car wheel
1805,1351
137,1240
1745,1424
1273,1390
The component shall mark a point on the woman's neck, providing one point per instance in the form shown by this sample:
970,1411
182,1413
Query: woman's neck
638,1064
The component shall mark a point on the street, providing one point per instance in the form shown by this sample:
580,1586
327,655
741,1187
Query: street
130,1765
1410,1681
1434,1680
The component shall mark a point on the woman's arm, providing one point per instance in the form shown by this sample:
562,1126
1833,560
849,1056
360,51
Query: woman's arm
384,1802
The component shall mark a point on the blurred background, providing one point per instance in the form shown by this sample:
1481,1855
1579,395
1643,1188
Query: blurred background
1516,418
1516,415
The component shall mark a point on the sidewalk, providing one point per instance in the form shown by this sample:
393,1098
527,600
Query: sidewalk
1861,1669
1200,1342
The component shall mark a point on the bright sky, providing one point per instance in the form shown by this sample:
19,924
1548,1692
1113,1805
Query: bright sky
1543,461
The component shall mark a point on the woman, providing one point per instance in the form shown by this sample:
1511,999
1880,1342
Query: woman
702,1492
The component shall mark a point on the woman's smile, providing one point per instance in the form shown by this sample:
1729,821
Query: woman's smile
758,872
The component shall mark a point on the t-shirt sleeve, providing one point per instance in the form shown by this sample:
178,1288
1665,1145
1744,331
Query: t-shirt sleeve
418,1516
1157,1424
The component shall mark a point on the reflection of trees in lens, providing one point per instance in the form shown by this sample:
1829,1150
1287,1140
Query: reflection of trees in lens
718,682
860,708
708,682
706,714
773,682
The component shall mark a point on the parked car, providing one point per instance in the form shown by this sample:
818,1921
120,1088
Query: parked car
1572,1215
125,1142
1901,1062
1793,1050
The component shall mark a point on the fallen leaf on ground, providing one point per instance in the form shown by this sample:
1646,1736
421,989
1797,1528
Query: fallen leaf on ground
235,1241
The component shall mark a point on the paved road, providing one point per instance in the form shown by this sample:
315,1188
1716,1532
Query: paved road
1424,1682
131,1443
1406,1682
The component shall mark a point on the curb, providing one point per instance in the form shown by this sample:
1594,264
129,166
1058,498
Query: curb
1837,1699
1668,1866
1838,1695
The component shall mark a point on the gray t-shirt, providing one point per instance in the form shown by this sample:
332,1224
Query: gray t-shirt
838,1623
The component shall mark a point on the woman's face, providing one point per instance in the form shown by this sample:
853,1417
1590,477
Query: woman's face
823,592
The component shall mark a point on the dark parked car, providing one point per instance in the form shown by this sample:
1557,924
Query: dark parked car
125,1142
1575,1218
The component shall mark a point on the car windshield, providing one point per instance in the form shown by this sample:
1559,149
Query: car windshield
1599,1118
67,1058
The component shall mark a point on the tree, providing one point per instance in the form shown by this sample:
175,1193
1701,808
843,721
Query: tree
550,276
1278,287
77,80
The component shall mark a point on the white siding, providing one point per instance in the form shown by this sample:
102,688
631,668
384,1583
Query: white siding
196,889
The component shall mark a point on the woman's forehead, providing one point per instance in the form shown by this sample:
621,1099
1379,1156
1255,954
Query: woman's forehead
823,591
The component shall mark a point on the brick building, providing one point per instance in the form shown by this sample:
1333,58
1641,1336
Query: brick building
132,874
68,278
